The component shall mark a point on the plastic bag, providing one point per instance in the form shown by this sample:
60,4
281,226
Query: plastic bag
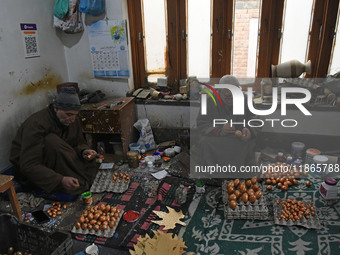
72,22
60,8
92,7
146,140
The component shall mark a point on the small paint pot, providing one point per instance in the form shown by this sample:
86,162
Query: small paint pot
150,159
87,197
156,155
158,163
134,147
200,189
161,151
131,216
142,164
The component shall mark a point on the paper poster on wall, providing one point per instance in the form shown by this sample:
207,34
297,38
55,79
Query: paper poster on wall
30,39
108,47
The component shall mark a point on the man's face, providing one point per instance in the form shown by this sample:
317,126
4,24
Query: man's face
226,97
66,117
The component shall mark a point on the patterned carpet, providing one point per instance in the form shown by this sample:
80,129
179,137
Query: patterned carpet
209,233
136,199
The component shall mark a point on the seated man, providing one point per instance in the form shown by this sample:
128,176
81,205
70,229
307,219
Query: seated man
222,145
49,151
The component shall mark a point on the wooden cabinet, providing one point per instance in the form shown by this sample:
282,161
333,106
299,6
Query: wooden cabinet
114,116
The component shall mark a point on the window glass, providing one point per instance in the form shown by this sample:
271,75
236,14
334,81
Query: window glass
296,25
335,60
199,30
245,38
155,38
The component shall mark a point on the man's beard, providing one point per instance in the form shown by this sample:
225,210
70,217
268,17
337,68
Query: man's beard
63,121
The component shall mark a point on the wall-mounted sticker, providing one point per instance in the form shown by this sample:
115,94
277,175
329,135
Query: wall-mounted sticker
30,39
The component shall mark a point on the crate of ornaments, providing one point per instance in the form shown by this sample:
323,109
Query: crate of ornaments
291,212
243,199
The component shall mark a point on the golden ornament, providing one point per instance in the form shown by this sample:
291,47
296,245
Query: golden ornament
170,219
161,243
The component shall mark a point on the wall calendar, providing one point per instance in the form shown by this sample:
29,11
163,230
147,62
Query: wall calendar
108,47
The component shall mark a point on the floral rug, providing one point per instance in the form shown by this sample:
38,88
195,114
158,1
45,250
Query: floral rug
209,233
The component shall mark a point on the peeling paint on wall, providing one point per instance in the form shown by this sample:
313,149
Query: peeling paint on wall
49,82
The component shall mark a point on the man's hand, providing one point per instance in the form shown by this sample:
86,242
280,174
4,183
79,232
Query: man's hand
227,129
70,183
246,134
89,154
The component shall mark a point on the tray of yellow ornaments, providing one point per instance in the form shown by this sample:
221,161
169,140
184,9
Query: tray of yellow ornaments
99,220
243,199
282,176
109,181
292,212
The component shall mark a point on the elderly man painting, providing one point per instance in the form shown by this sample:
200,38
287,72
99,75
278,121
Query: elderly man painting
49,151
225,144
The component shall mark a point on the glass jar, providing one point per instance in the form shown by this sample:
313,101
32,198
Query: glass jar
133,159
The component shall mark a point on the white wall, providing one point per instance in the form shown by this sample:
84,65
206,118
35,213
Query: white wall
78,58
165,116
18,97
63,57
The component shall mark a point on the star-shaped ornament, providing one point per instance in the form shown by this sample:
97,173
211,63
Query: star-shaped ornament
161,243
170,219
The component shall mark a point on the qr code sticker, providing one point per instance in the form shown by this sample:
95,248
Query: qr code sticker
31,45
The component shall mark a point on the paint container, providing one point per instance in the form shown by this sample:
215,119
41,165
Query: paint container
150,166
320,162
289,160
310,153
156,155
87,198
329,189
158,163
131,216
161,151
298,162
320,159
134,147
150,159
142,164
280,157
200,187
132,157
142,153
297,149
